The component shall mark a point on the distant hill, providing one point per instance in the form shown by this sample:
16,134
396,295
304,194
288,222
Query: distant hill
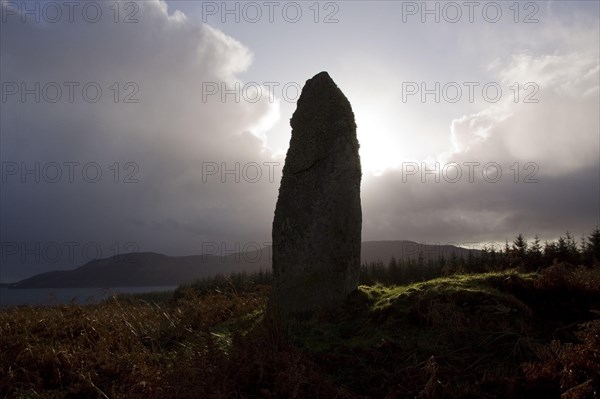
152,269
372,251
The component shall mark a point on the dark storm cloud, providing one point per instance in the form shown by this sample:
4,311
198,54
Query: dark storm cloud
149,153
481,211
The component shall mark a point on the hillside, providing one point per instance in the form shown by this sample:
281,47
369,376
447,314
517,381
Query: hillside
143,269
493,335
152,269
372,251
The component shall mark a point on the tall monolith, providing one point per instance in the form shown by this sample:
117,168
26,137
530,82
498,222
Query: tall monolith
318,217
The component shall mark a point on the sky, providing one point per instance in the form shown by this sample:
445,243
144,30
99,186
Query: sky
163,125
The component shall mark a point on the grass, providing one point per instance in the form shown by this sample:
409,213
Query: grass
161,297
463,327
489,335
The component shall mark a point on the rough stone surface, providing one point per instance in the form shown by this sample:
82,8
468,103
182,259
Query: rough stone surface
318,218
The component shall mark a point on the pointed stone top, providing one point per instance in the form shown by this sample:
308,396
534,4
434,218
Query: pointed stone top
318,82
322,117
322,77
322,99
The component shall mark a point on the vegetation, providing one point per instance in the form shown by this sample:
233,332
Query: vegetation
522,255
518,331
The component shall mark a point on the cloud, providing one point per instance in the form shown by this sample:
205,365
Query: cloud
416,207
162,141
548,152
559,130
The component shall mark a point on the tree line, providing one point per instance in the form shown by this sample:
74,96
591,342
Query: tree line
526,256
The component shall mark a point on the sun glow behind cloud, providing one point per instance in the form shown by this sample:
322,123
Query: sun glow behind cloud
383,143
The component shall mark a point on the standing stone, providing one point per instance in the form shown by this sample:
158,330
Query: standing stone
318,218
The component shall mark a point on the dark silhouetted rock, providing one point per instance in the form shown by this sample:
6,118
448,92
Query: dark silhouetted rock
318,218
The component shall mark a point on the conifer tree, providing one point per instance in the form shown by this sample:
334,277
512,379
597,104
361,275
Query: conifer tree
519,252
592,248
534,254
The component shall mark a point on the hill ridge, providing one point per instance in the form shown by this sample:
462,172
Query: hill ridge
157,269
